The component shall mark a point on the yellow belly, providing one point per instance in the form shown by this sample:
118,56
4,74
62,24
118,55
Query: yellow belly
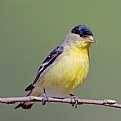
64,75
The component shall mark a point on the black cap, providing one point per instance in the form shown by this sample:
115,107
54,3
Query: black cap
82,30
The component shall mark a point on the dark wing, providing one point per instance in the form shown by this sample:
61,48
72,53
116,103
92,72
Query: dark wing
48,61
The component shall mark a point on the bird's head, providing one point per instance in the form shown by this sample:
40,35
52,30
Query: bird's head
81,36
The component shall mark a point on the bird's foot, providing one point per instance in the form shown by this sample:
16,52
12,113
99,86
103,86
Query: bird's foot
74,101
45,98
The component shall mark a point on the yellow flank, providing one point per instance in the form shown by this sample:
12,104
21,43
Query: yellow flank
65,74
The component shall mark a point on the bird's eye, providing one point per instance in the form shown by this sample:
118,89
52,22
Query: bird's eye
85,35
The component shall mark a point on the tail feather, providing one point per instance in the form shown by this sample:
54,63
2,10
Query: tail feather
33,92
25,105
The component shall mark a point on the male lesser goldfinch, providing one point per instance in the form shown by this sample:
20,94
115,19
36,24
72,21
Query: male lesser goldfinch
65,68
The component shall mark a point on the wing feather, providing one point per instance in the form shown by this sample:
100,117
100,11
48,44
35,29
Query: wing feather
47,62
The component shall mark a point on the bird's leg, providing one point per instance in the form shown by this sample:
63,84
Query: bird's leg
45,98
74,100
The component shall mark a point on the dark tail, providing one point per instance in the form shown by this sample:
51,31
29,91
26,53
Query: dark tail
25,105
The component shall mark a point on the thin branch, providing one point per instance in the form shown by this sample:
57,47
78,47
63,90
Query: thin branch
109,103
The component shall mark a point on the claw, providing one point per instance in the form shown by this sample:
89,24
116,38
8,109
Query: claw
74,101
45,98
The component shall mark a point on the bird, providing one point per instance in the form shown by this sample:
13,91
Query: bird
65,68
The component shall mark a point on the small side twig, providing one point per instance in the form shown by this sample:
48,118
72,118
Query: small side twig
109,103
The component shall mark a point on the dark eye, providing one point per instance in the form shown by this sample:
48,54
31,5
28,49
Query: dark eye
85,35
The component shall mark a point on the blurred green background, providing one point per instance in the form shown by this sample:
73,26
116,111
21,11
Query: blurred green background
30,29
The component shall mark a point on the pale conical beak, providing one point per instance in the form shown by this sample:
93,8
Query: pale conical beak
90,39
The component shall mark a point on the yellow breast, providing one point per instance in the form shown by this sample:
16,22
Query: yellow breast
66,73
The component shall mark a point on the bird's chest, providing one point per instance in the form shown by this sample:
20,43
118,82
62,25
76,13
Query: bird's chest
76,70
66,74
